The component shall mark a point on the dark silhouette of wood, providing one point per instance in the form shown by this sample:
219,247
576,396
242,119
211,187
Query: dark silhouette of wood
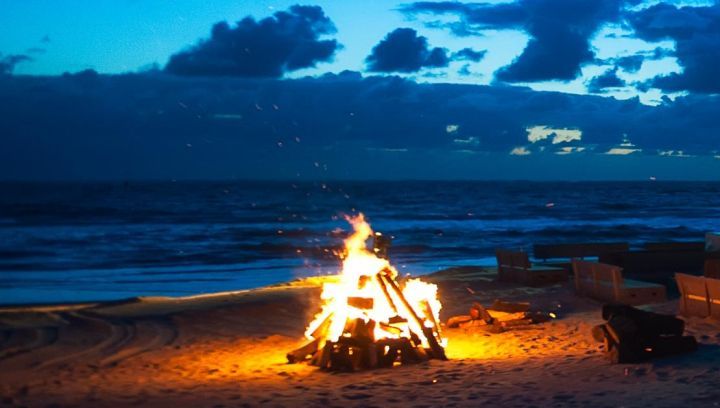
712,268
515,266
674,246
577,250
652,324
509,307
654,264
632,336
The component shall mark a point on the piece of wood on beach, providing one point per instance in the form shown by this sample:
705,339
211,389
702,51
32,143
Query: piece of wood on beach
304,352
516,322
509,307
478,312
456,321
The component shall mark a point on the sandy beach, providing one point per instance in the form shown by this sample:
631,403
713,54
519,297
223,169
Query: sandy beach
228,350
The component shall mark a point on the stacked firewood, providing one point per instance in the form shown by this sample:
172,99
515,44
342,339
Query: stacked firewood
632,335
358,348
499,317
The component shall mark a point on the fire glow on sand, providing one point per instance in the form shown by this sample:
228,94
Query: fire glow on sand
369,317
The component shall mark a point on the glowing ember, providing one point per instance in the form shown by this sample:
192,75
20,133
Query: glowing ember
368,319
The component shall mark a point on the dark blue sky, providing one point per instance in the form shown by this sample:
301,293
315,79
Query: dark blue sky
530,89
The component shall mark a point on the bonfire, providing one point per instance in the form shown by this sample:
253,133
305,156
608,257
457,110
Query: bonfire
369,317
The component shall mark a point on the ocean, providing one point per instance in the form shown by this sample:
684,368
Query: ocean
63,242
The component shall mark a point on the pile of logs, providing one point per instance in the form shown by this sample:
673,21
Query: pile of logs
357,353
357,348
632,335
499,317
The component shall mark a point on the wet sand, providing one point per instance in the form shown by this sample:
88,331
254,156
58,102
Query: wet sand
228,350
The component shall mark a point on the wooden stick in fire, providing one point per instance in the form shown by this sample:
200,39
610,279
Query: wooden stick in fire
382,285
435,346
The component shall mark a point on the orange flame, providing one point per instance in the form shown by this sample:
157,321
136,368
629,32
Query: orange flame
360,277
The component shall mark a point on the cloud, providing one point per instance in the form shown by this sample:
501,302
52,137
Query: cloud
624,148
8,62
402,50
469,54
287,41
633,63
565,150
544,139
608,79
140,125
520,151
696,33
470,141
536,134
560,32
622,151
674,153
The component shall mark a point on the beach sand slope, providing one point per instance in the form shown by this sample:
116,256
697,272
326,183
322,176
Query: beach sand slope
228,350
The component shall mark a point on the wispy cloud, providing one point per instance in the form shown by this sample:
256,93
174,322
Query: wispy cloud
570,150
520,151
674,153
452,128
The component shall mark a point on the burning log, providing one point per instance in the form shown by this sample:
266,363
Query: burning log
360,302
309,349
428,332
369,319
304,352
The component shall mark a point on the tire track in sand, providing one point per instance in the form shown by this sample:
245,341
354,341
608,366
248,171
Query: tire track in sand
23,341
149,335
